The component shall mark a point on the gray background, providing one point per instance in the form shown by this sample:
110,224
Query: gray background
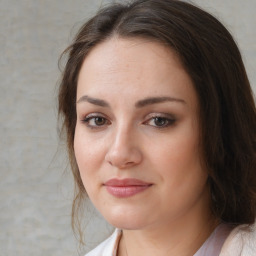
35,185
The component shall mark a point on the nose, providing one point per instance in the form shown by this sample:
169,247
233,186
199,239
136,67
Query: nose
124,151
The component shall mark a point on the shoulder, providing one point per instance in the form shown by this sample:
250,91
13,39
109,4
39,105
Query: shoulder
240,242
107,247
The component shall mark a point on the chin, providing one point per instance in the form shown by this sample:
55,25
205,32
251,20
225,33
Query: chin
125,219
127,224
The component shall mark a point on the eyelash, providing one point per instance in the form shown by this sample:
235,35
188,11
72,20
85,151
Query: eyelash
88,118
166,121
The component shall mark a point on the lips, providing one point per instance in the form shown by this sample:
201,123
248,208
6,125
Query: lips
126,187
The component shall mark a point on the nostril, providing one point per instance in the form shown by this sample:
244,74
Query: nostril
123,158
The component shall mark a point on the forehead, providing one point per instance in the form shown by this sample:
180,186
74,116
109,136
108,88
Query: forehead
133,66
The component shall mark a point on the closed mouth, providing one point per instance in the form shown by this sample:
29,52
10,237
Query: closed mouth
126,187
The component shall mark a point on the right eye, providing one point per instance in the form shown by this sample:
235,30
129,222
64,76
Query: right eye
95,121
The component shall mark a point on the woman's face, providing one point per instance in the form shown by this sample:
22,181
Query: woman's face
137,135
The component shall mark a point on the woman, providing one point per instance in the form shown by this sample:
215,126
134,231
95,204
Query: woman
160,123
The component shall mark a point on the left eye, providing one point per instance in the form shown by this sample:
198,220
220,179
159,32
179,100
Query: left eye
95,121
160,122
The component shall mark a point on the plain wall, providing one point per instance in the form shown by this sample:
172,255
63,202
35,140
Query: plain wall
36,188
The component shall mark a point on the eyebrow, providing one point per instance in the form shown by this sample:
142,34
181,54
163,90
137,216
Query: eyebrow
156,100
138,104
94,101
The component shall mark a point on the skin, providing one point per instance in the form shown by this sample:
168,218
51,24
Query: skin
118,136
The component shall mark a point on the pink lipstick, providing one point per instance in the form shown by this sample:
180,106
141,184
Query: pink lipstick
126,187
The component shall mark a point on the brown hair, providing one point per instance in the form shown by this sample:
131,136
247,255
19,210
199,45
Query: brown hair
213,61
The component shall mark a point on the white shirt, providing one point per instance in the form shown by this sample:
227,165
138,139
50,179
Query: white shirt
241,241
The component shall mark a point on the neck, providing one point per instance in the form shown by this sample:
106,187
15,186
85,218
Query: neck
181,238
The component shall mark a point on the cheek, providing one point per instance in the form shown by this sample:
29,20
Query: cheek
88,155
178,149
184,180
87,162
179,159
